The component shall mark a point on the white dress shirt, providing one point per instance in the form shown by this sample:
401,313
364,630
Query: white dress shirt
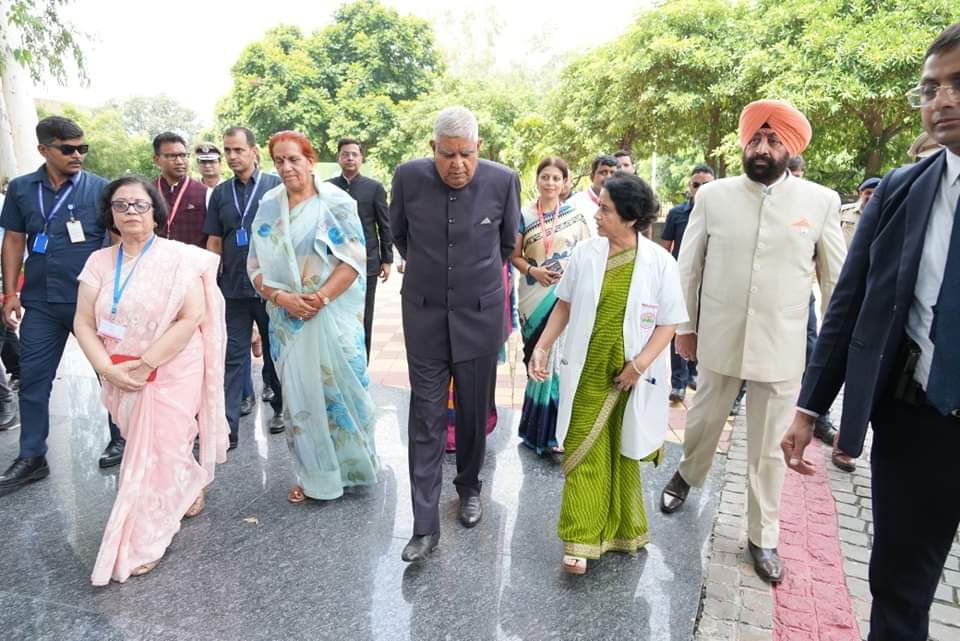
933,262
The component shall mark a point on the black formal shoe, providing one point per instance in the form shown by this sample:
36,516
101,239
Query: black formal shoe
674,494
767,563
693,382
677,394
247,405
23,471
419,547
112,453
471,510
825,430
232,441
276,425
268,394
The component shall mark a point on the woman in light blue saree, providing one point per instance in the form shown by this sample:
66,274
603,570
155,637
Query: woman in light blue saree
308,260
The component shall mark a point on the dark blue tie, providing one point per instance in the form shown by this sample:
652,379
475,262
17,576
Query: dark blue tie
943,386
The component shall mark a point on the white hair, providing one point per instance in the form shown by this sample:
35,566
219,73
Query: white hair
456,122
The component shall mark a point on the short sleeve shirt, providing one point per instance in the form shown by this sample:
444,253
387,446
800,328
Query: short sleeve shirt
223,220
676,225
51,277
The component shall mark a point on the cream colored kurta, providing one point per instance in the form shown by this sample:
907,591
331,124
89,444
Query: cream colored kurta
748,258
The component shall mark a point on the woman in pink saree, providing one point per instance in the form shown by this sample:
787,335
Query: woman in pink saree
150,319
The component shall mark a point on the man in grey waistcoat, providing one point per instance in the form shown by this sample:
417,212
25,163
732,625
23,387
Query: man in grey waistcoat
455,220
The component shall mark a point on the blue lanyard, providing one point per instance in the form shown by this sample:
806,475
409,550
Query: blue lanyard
56,205
236,199
118,289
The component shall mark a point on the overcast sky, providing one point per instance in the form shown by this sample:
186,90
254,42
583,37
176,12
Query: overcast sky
185,48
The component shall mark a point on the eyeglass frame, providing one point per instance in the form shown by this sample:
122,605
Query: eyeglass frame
915,95
127,204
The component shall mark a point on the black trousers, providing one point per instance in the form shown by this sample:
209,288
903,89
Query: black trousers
241,314
368,311
474,384
915,515
10,351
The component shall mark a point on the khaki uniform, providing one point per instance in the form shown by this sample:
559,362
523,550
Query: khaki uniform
748,257
849,218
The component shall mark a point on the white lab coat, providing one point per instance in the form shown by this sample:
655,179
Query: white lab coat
655,298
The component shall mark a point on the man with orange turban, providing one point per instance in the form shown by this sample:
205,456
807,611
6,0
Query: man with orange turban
752,246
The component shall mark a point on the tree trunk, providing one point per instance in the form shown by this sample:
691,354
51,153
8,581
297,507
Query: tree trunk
8,159
20,108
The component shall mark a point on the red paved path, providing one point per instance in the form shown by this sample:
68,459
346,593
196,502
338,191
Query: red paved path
812,603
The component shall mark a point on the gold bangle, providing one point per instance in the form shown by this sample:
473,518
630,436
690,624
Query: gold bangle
147,363
275,296
633,362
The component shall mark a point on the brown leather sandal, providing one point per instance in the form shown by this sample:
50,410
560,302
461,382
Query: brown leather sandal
296,495
197,506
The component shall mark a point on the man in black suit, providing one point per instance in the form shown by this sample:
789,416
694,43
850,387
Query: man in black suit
892,333
371,200
454,219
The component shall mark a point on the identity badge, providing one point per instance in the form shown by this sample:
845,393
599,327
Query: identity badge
110,329
40,242
75,231
242,239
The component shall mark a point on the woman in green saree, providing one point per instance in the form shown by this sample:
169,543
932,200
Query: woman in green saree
620,301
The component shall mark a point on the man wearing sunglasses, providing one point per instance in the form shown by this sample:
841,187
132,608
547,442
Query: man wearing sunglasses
892,335
684,372
51,214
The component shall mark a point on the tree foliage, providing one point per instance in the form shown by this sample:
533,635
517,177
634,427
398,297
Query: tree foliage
44,41
151,115
692,65
346,79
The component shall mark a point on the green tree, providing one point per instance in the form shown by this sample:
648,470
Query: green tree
346,79
692,65
151,115
46,41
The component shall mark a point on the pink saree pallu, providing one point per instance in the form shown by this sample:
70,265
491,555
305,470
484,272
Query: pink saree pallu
160,478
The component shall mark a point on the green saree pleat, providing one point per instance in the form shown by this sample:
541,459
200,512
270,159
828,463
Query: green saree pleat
602,507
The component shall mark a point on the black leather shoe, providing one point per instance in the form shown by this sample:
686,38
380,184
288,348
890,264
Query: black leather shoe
23,471
231,441
247,405
825,430
677,395
674,494
767,563
471,510
276,425
419,547
268,394
113,453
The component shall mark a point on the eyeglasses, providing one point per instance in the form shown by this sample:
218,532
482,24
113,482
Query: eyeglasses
925,94
123,206
696,184
180,156
208,162
69,150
